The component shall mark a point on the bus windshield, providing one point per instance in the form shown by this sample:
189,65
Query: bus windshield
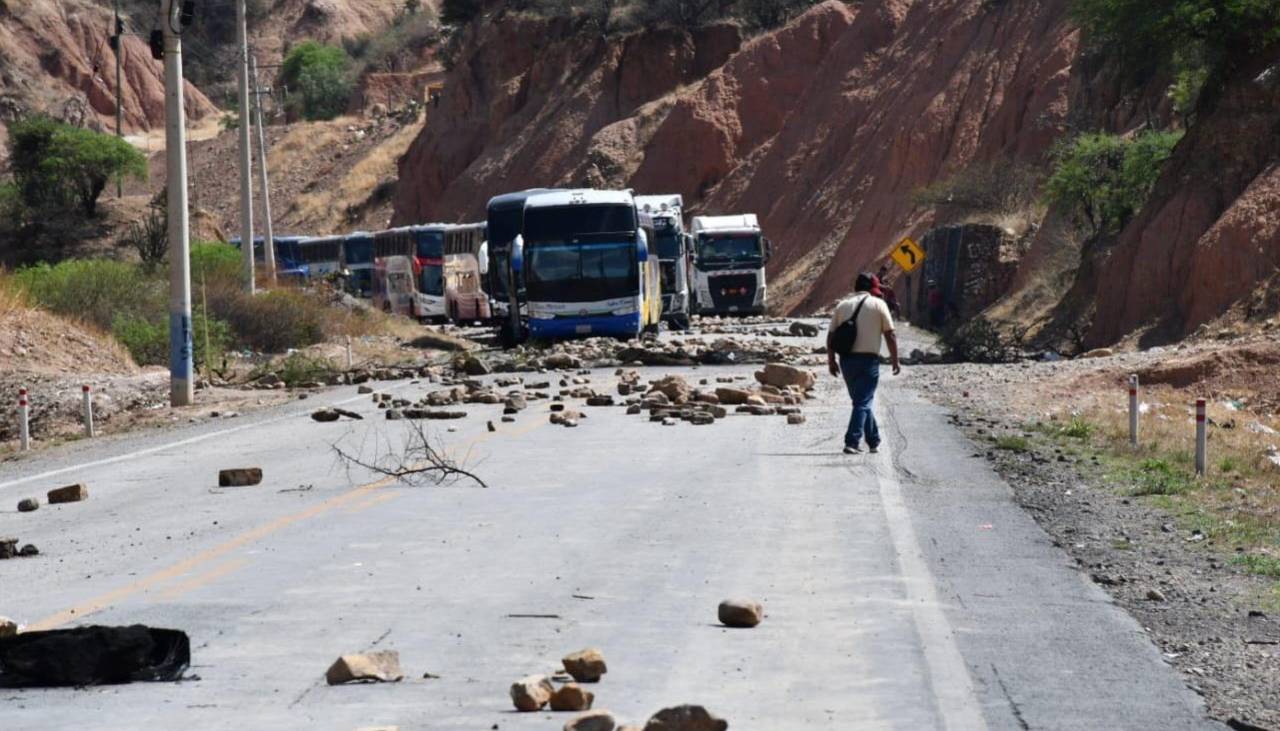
585,272
358,251
729,247
432,280
431,244
568,223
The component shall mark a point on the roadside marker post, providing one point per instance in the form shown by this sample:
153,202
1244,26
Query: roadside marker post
348,352
1202,460
1133,411
88,410
24,416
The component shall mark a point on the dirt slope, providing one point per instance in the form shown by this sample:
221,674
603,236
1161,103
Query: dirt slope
824,127
56,58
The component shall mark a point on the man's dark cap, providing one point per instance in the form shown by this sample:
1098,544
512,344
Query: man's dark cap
865,282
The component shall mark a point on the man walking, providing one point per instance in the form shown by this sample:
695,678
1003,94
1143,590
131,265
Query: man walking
857,326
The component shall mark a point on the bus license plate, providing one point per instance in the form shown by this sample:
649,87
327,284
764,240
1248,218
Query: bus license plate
583,329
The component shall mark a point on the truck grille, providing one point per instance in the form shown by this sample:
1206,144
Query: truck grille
733,291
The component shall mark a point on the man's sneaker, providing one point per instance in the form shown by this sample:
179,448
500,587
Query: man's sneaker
875,449
852,450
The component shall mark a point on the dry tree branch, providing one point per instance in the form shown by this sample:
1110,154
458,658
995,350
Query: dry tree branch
418,462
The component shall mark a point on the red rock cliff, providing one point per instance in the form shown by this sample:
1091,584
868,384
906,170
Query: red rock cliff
824,127
1210,233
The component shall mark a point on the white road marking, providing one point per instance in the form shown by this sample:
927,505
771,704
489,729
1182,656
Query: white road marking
179,443
948,674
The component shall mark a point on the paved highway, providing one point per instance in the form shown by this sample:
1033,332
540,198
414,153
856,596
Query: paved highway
902,590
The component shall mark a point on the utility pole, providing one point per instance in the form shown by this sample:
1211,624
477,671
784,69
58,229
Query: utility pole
268,242
119,49
181,362
246,151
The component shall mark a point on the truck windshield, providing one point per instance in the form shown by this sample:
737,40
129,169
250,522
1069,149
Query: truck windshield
431,245
729,247
668,241
569,223
582,272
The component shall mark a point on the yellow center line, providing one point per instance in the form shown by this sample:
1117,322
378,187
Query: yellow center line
210,555
371,502
207,577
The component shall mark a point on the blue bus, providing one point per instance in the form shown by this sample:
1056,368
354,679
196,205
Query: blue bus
586,266
289,260
357,260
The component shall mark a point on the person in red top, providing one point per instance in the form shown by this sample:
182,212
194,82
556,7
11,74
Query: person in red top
886,293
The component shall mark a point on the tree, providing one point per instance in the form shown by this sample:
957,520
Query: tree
319,73
459,12
150,236
86,161
55,164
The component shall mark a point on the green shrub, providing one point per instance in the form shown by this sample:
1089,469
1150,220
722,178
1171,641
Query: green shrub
1103,180
95,290
273,321
1159,477
216,264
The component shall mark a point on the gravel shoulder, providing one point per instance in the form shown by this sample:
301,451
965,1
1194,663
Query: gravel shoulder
1174,569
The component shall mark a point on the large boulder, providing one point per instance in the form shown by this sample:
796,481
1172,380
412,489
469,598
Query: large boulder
531,693
782,376
685,718
382,666
586,666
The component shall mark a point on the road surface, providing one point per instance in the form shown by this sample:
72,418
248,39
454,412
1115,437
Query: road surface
902,590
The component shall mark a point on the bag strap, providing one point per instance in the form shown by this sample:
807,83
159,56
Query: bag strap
858,309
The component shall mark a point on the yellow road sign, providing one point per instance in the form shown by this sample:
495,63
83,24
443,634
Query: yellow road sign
909,255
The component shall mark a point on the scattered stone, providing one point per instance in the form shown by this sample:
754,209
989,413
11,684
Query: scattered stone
395,415
571,697
325,415
1155,595
531,693
586,666
352,414
795,419
29,550
492,428
364,390
69,494
508,420
600,401
804,330
685,718
561,361
592,721
740,613
557,407
8,627
634,409
28,504
1099,353
733,396
472,366
382,666
434,415
8,547
243,477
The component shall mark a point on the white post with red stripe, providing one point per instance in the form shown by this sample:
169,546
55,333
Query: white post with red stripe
1133,411
24,417
88,411
1202,459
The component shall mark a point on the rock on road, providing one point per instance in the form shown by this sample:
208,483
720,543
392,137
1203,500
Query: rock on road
901,590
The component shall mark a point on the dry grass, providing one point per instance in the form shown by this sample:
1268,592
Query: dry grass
1237,502
327,206
12,296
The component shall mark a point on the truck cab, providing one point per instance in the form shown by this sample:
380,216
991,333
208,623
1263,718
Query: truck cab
664,214
729,258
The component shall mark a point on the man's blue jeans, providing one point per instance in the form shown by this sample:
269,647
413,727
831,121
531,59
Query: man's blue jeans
861,375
